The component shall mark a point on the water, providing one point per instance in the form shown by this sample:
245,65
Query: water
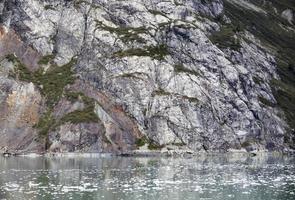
114,178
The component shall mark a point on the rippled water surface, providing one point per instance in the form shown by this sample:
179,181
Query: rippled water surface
112,178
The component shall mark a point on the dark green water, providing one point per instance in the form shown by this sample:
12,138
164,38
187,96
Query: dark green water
114,178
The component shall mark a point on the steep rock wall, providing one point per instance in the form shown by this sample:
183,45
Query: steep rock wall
113,75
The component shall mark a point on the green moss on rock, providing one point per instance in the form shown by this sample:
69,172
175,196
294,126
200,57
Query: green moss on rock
141,141
179,144
265,101
50,83
180,68
80,116
160,92
49,7
20,70
126,34
285,97
257,80
226,38
87,115
45,123
156,52
272,30
46,59
155,146
48,123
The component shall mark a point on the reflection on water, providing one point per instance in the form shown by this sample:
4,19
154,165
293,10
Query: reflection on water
113,178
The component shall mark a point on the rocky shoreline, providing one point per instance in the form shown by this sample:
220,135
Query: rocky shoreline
147,153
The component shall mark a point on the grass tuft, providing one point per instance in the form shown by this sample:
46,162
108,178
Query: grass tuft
154,146
126,34
141,141
265,101
45,123
87,115
180,68
50,83
226,38
46,60
156,52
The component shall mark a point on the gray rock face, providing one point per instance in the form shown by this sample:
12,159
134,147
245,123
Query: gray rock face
77,138
288,15
20,109
152,69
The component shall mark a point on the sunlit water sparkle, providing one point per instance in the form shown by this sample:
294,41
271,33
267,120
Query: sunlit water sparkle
206,177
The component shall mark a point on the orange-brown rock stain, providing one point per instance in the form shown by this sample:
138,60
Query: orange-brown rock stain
25,107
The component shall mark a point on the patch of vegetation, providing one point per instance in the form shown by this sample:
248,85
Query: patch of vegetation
285,97
156,52
257,80
45,123
80,116
246,144
284,89
77,3
269,29
156,12
46,60
132,52
180,68
86,115
273,32
11,58
126,34
226,38
128,75
183,24
265,101
191,99
271,5
178,3
154,146
151,144
134,75
160,92
74,96
141,141
178,144
50,83
20,70
49,7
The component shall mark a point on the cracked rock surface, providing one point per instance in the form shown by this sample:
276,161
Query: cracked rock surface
111,76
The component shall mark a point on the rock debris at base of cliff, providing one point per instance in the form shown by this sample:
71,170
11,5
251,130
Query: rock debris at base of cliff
116,76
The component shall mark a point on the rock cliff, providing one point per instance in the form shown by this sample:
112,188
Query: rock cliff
113,76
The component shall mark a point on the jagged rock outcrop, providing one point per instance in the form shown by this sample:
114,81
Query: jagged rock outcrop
110,76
